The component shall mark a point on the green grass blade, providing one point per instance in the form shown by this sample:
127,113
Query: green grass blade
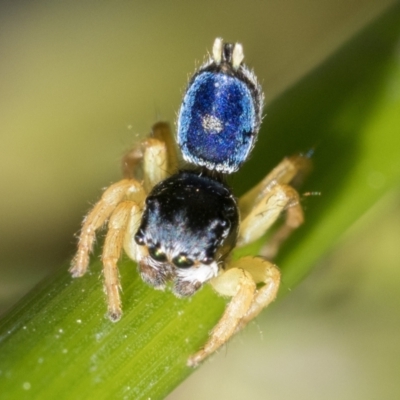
56,343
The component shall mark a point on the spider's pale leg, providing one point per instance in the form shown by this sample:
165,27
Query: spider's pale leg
265,272
111,252
294,218
155,162
162,132
262,205
277,198
239,284
290,169
153,159
130,246
95,220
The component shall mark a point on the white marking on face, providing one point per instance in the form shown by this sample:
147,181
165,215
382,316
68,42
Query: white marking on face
200,273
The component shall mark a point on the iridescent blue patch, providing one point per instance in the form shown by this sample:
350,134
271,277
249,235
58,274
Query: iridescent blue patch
218,121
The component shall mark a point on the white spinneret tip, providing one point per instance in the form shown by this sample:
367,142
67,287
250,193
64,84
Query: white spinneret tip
237,56
217,50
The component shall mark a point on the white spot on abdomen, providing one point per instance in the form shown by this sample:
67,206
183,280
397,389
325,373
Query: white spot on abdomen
212,124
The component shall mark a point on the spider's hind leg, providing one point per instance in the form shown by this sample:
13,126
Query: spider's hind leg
162,132
153,159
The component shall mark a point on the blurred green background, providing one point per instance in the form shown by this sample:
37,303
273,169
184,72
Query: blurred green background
81,81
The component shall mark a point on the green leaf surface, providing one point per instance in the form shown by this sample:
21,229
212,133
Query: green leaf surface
57,343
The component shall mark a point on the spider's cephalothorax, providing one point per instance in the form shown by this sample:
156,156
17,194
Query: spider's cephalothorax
221,111
188,226
182,226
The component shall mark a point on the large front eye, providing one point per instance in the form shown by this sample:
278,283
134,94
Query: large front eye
157,254
139,238
182,261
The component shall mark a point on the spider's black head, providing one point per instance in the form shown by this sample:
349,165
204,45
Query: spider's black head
221,111
190,223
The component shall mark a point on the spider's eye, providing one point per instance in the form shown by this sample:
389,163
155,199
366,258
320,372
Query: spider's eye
157,254
207,260
182,261
139,239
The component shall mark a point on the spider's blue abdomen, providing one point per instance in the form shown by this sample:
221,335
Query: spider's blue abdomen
217,122
220,114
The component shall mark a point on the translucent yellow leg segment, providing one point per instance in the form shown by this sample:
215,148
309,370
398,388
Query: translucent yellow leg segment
153,159
96,219
261,206
239,282
111,253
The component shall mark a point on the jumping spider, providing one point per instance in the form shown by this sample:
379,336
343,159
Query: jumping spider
182,225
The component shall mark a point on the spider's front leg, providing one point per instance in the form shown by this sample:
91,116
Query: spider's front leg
124,221
153,161
95,220
117,229
122,205
260,208
239,282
